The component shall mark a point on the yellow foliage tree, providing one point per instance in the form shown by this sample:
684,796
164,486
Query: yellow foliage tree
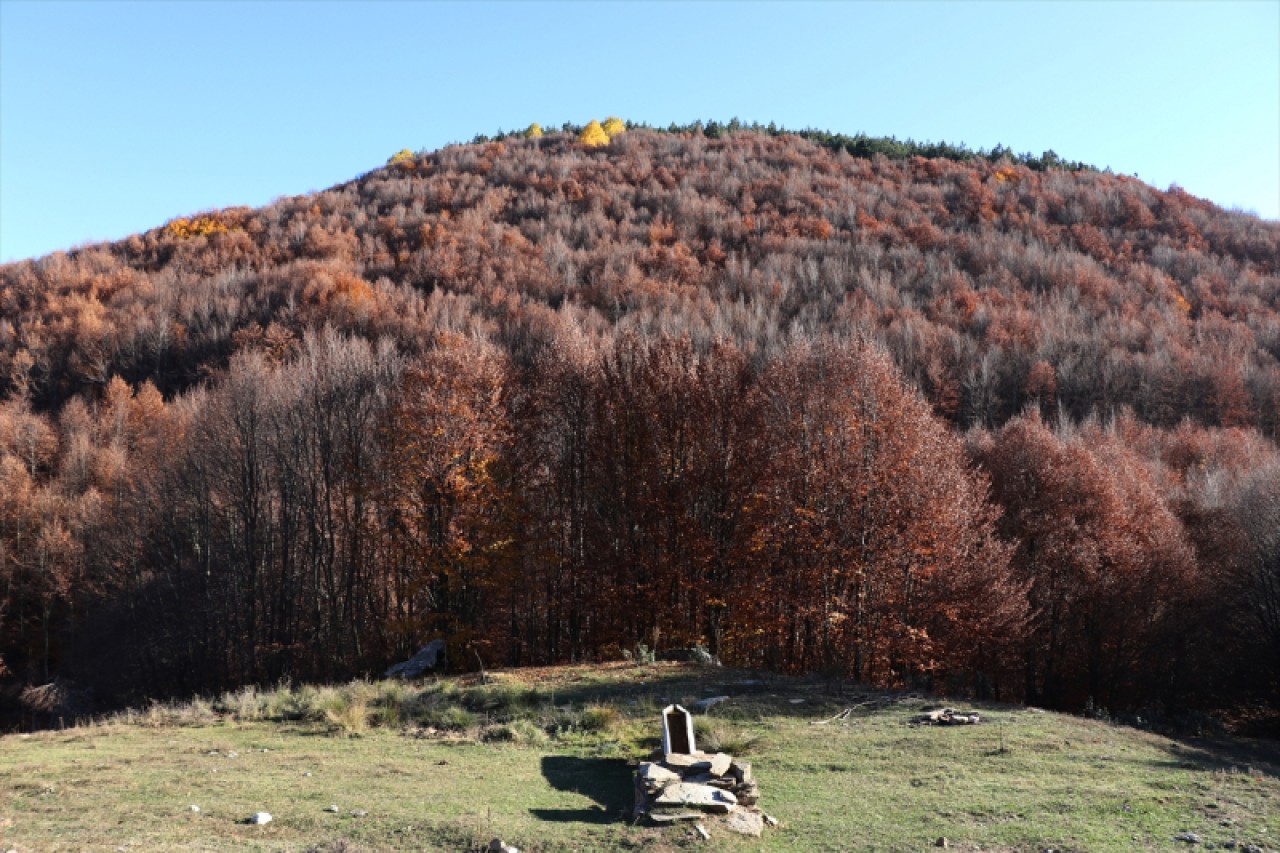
593,135
533,131
404,155
613,126
206,224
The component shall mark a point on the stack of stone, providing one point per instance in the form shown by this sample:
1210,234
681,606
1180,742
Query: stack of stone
947,717
715,783
685,785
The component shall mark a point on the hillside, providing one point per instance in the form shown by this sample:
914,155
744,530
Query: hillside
971,272
997,424
543,759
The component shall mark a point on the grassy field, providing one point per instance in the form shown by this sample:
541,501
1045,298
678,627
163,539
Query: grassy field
541,759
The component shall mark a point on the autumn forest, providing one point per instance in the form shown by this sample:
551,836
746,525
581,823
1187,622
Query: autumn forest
980,422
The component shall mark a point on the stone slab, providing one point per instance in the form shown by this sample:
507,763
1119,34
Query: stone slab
655,775
696,796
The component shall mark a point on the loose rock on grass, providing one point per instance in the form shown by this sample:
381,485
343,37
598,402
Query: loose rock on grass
947,717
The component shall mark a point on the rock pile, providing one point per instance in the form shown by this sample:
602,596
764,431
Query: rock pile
947,717
686,786
682,783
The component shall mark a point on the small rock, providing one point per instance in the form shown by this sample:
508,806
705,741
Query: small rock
702,830
744,822
796,701
497,845
359,813
260,818
720,764
740,770
942,842
333,809
672,817
770,820
307,774
1188,837
233,754
194,809
707,704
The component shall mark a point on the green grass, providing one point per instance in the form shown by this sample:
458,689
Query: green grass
540,759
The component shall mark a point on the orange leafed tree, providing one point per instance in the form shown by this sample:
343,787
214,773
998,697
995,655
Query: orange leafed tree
444,491
1105,559
875,546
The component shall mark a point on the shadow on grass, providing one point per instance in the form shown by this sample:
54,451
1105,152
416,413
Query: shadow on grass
1225,755
607,781
640,690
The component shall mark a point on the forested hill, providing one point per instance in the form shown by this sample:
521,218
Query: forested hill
983,279
1002,423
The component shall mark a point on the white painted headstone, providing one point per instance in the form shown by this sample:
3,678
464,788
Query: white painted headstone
677,731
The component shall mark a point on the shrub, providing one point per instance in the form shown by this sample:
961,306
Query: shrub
451,718
390,701
503,699
613,126
561,722
392,693
404,155
350,715
599,718
245,704
528,732
713,737
500,733
281,704
533,131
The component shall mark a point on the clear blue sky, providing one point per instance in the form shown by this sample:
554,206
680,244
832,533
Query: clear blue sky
116,117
